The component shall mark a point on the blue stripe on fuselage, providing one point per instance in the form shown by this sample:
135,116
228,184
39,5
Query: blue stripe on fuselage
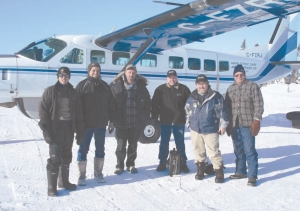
286,48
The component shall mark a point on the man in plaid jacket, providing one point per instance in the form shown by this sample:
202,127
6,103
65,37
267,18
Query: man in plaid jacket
245,106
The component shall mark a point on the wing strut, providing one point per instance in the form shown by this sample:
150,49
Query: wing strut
141,52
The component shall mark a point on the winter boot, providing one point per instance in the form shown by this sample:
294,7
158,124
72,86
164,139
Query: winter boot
65,168
200,170
219,175
82,172
60,182
98,167
52,182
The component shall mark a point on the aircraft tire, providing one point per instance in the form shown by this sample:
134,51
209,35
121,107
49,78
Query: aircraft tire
8,105
150,133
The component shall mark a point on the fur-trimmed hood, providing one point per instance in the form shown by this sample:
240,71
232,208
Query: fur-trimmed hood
138,78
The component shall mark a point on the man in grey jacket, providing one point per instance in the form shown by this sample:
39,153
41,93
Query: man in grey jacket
246,106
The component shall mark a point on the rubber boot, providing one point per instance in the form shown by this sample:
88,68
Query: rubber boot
219,175
65,168
52,182
82,172
200,170
60,182
98,167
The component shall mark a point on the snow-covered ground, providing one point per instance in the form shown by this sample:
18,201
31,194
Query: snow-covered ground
23,155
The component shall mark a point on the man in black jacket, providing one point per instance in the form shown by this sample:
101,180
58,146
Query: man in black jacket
133,109
168,104
60,115
98,108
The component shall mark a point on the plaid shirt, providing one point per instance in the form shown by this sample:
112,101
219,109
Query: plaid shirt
244,102
131,109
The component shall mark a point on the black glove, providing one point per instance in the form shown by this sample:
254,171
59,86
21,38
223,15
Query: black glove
48,137
228,130
79,138
111,128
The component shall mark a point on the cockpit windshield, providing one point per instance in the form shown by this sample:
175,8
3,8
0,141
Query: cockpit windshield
43,50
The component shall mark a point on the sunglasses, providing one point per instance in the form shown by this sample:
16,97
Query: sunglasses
239,75
63,75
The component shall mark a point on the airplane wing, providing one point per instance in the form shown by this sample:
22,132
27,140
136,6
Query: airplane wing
195,22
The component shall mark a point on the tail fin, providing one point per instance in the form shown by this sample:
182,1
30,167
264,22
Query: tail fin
282,45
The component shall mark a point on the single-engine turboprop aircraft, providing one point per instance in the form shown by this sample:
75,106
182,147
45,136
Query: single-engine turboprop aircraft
153,45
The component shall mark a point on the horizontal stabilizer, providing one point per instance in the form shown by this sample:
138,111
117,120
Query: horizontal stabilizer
292,64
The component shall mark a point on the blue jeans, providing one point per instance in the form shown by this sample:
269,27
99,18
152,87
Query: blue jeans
165,135
99,136
244,150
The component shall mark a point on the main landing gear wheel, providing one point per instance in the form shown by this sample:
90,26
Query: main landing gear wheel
150,132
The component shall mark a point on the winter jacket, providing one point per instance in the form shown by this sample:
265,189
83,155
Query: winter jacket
49,110
244,102
208,117
143,101
168,103
97,102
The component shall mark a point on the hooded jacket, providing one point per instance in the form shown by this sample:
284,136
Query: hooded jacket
97,102
206,118
49,110
143,101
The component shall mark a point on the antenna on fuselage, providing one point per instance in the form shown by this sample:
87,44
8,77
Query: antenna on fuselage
100,34
54,36
243,46
169,3
112,30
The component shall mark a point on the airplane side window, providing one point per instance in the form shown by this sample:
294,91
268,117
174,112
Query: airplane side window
5,75
209,65
223,66
98,56
194,64
75,56
120,58
44,50
175,62
149,60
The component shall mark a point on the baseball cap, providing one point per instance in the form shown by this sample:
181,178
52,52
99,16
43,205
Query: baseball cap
130,67
171,72
201,78
64,71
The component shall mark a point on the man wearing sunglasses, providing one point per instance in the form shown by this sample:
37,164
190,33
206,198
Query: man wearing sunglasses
246,106
60,115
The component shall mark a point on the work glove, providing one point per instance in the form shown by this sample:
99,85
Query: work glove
111,128
255,127
48,137
79,138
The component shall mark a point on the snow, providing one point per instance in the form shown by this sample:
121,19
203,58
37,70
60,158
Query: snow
23,183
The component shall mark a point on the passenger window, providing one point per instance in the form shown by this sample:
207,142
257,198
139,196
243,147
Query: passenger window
120,58
148,60
194,64
5,75
175,62
75,56
223,66
98,56
209,65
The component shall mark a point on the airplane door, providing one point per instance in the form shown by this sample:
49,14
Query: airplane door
8,80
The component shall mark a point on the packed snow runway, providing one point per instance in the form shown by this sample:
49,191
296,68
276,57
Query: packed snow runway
23,183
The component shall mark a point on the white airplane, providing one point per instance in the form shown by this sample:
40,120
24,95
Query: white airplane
153,45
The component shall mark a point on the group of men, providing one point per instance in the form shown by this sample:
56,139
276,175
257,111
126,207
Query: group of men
125,105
